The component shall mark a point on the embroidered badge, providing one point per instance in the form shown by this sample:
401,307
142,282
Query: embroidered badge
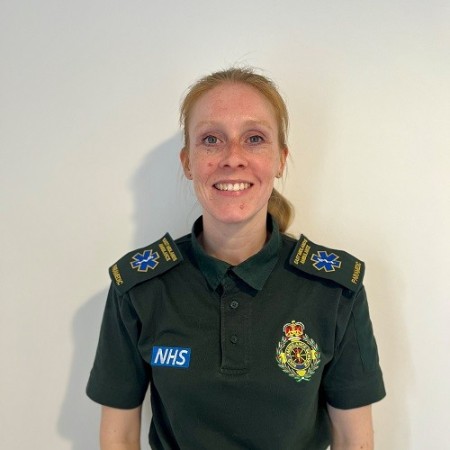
326,261
179,357
144,261
323,262
133,268
297,354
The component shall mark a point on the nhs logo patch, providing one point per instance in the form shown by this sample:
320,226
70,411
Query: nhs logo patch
178,357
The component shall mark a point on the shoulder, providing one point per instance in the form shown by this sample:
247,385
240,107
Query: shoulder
147,262
328,263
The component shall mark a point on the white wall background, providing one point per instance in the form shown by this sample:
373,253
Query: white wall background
89,170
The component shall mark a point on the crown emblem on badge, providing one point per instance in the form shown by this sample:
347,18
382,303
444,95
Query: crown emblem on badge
297,354
294,329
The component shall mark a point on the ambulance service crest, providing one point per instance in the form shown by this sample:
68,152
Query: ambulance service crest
297,354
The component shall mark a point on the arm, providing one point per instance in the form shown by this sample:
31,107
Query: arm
351,429
120,429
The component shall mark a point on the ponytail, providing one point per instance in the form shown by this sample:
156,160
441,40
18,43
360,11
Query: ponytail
281,210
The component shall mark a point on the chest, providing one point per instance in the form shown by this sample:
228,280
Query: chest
282,336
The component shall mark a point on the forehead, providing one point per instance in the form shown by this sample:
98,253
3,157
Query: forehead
232,100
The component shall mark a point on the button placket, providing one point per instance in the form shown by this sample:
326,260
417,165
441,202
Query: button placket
234,339
234,334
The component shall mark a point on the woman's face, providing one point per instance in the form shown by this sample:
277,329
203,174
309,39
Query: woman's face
234,154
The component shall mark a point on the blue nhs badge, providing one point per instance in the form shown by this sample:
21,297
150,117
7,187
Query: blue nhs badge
178,357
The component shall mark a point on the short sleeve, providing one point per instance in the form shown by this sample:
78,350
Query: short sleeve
353,378
119,377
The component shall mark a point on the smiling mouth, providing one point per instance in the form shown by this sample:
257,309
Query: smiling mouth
235,187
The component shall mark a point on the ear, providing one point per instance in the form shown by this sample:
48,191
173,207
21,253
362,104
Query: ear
284,152
184,158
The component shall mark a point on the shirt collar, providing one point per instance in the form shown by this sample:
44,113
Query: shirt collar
254,271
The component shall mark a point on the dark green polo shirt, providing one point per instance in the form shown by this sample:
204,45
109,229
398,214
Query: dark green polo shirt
243,357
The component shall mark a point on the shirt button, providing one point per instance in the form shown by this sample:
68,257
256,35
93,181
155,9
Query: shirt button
234,304
234,339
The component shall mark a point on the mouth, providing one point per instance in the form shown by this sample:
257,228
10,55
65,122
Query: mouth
233,187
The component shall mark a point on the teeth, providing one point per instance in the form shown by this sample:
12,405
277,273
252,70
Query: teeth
232,186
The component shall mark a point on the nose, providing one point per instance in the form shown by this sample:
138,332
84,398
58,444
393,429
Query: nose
234,156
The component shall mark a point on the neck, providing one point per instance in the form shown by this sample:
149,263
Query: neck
233,243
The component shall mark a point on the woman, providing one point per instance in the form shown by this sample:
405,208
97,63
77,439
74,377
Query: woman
248,338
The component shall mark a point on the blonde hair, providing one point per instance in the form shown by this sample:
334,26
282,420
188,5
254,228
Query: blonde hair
279,207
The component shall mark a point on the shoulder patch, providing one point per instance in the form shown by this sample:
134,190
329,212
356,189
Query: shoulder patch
335,265
145,263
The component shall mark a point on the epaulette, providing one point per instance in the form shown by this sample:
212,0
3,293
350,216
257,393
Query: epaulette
335,265
145,263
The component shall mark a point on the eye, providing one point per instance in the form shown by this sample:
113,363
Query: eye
256,139
210,140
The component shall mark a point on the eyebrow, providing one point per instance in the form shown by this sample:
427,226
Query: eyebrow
247,122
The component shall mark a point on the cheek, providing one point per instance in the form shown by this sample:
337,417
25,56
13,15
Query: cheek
202,167
271,167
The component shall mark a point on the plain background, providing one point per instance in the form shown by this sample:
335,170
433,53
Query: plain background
89,170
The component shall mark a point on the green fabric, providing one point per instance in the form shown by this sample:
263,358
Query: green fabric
236,394
337,265
127,272
254,271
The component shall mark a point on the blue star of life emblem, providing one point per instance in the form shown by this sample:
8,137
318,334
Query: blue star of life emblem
144,261
325,261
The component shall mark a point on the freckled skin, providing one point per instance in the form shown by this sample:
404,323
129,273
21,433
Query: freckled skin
233,138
